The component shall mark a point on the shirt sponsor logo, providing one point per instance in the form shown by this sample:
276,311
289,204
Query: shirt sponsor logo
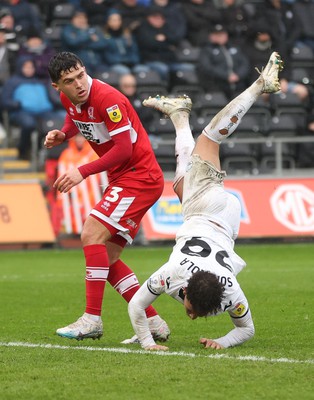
87,130
96,132
114,113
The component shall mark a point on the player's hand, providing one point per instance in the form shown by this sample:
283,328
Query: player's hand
66,181
209,343
54,138
157,347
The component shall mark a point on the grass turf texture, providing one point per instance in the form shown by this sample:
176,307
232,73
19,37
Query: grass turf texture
44,290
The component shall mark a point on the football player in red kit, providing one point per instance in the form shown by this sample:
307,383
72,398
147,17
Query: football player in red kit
109,123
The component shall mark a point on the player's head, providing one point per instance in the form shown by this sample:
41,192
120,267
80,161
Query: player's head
203,294
61,63
68,75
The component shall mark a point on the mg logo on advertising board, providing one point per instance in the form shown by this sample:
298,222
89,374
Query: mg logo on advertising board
293,207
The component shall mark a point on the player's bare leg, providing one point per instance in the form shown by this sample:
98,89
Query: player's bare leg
220,127
228,119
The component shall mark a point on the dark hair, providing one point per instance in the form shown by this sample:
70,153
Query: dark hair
205,293
62,62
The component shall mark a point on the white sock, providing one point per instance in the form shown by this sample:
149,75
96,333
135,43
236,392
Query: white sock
183,149
184,144
93,317
228,119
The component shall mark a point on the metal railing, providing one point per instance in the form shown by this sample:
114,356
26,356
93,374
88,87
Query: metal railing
278,142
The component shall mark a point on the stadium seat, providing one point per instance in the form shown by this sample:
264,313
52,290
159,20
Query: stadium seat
188,79
252,123
193,91
241,157
268,148
53,35
165,153
283,124
186,53
302,56
39,152
240,165
287,103
48,124
210,102
62,13
150,84
230,148
198,123
162,127
145,91
304,75
268,156
261,108
110,77
148,79
268,163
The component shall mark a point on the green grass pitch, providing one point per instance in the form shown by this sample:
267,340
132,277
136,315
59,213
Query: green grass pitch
43,290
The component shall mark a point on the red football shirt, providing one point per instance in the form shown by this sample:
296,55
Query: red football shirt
107,113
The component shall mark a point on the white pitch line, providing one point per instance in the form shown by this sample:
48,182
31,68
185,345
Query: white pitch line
158,353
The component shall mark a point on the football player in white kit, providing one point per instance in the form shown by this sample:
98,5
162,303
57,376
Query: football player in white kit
202,268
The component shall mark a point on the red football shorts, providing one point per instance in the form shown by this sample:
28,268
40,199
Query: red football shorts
124,204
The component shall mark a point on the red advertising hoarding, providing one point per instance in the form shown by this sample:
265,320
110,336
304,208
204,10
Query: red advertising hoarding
269,208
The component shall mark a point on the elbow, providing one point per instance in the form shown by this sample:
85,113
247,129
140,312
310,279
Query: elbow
128,151
250,332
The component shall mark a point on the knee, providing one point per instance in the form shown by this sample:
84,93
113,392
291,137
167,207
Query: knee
84,237
94,232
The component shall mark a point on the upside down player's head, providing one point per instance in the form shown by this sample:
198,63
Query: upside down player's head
203,294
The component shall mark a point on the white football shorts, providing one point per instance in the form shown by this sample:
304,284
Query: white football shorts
204,195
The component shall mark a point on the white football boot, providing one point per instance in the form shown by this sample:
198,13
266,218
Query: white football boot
158,328
269,74
83,328
169,105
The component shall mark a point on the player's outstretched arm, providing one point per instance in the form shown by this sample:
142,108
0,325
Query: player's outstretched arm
243,331
136,308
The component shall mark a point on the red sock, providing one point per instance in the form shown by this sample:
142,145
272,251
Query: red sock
97,267
125,282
